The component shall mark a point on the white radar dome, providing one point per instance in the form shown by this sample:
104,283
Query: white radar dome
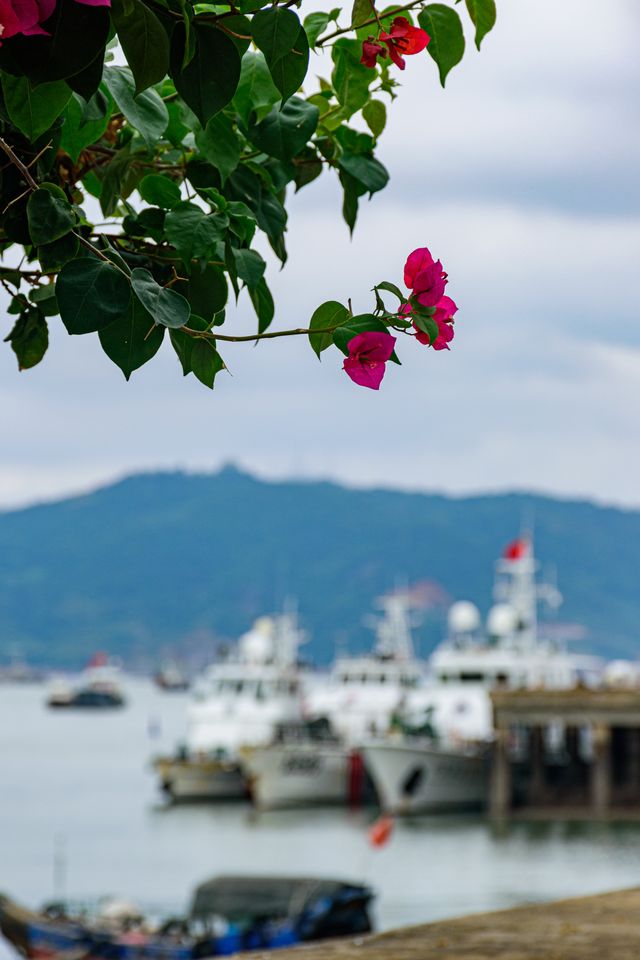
463,617
502,620
621,673
256,646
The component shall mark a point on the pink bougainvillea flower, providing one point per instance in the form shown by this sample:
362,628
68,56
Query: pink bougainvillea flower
443,316
416,261
429,284
403,39
368,354
371,51
24,16
27,16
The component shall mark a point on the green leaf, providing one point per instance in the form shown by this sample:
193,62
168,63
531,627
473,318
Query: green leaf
50,214
53,256
159,191
45,297
148,223
315,24
144,41
356,325
246,186
262,304
250,267
33,110
275,32
146,112
366,170
353,189
165,306
427,325
132,339
391,287
375,116
256,89
207,292
205,361
308,166
29,338
192,232
209,82
362,10
78,130
326,316
283,133
289,71
483,17
446,46
220,145
121,176
91,295
180,227
350,78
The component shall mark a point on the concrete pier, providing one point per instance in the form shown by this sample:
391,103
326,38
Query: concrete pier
566,752
588,928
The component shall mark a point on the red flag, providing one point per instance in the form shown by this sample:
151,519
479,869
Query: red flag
517,549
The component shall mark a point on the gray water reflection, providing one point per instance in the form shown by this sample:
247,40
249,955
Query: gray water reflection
85,781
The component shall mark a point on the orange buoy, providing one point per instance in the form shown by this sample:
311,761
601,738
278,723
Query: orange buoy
380,831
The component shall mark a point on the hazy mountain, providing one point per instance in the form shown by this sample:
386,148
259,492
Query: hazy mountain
160,560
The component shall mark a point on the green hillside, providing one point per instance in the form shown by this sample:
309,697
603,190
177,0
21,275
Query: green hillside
164,559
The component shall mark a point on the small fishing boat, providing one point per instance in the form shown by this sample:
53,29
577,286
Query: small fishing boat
99,687
228,914
170,677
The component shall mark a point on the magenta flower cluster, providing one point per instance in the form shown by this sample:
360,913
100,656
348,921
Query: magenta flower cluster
370,351
427,281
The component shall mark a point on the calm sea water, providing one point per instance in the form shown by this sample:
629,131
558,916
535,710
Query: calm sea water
77,788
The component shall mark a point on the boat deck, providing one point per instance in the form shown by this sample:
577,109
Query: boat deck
586,928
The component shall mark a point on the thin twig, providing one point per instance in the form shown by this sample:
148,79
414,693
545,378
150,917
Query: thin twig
24,170
366,23
301,331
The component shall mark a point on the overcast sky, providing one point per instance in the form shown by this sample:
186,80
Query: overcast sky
522,176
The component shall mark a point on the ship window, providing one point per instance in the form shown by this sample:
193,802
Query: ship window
472,677
383,678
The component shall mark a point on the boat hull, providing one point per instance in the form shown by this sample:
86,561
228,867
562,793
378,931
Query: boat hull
291,775
422,778
194,779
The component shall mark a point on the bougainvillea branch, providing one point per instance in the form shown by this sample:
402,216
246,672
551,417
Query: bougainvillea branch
134,193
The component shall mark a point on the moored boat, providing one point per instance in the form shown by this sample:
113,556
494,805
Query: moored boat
99,687
425,776
306,765
447,767
236,703
171,678
318,761
228,914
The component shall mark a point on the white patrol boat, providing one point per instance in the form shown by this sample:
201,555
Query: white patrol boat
438,759
237,703
318,762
